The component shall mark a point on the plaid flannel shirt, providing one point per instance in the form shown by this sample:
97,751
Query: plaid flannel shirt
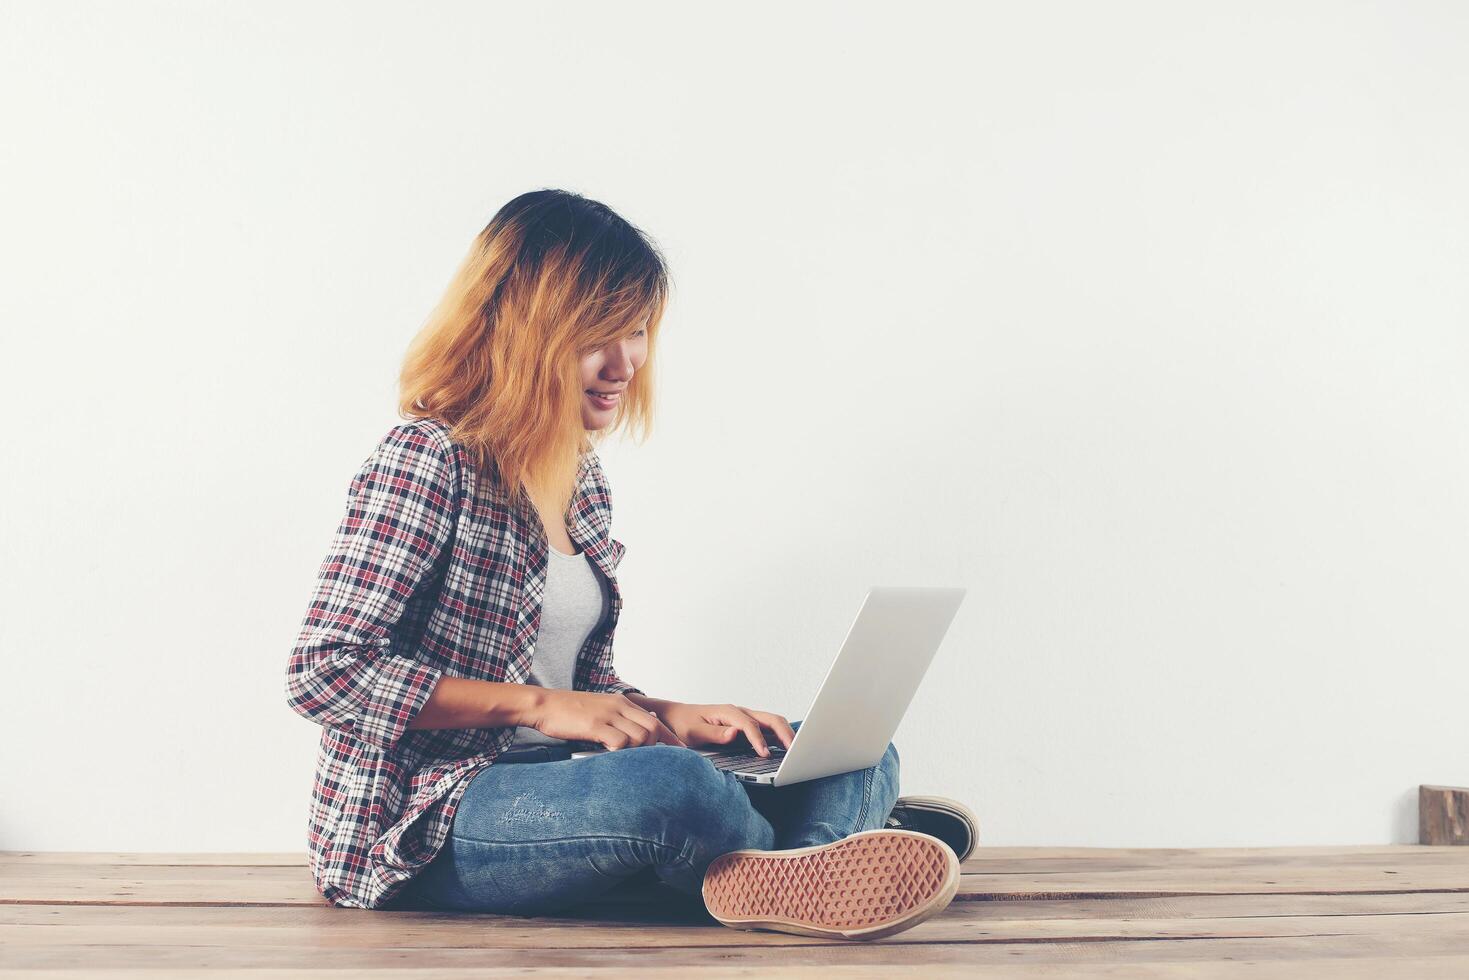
431,573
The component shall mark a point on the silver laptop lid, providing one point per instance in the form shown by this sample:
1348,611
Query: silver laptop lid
871,682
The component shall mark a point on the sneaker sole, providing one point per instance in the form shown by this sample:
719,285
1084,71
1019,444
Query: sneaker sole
865,886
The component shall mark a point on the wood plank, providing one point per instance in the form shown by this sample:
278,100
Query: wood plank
1443,815
1418,968
1037,860
954,925
232,858
1453,967
146,917
1458,868
1174,854
1295,949
266,885
1453,860
1187,881
1099,857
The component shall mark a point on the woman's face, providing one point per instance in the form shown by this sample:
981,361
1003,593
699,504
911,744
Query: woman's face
610,370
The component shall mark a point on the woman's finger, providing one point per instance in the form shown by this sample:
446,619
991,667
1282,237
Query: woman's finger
749,726
705,733
657,731
666,734
633,734
647,724
610,736
776,724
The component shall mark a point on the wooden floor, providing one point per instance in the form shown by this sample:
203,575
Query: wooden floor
1338,912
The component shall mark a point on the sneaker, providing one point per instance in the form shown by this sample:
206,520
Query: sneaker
865,886
949,820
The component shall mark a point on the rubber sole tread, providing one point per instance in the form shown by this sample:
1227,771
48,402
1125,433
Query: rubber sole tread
867,885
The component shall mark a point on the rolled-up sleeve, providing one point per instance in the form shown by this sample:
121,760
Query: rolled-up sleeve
346,670
612,684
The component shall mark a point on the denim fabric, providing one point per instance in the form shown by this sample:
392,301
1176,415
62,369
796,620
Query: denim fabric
529,838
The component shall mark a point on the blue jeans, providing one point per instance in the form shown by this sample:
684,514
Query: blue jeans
531,838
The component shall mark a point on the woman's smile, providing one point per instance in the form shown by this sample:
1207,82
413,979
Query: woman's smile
603,402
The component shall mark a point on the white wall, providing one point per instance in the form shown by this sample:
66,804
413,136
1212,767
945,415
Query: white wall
1146,322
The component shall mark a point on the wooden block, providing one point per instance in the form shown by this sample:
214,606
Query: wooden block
1443,815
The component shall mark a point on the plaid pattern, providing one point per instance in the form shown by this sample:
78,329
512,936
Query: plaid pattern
431,572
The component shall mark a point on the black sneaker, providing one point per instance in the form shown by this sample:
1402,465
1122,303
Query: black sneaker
949,820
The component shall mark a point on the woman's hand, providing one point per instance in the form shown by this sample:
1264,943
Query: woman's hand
610,719
720,724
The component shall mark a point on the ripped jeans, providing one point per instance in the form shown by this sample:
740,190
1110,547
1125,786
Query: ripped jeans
532,838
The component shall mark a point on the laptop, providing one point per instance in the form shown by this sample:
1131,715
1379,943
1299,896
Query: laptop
868,688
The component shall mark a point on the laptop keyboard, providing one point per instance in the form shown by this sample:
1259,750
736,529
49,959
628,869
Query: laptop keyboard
749,761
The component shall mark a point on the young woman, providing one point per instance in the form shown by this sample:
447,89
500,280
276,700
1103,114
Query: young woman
467,607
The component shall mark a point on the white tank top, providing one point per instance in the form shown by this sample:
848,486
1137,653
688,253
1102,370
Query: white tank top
575,604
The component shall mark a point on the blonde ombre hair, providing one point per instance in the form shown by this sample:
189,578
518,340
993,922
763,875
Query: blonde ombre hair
554,276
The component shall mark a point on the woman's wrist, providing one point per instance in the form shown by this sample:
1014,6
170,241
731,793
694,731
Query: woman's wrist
523,707
655,705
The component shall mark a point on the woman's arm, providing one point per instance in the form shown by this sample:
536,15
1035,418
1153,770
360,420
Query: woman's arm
462,702
345,671
611,719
